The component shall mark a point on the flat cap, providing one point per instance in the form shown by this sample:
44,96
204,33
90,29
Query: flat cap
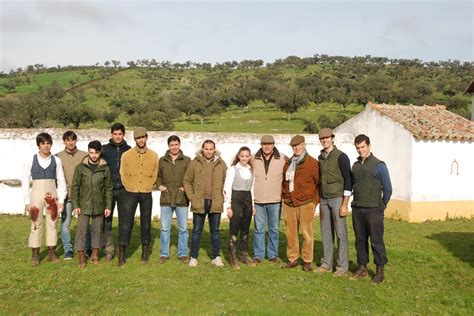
296,140
267,139
325,132
139,132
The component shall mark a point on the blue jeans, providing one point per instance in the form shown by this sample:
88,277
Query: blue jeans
66,218
266,214
198,225
166,219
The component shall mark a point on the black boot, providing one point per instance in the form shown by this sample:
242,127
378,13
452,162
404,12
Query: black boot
121,259
145,253
379,276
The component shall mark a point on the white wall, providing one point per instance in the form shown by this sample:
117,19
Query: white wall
432,177
390,142
16,145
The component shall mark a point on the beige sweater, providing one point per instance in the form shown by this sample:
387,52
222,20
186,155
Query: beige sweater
70,162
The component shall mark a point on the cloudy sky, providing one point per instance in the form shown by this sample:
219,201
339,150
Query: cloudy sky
85,32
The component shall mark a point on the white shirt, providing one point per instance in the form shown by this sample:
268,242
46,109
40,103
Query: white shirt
244,171
44,163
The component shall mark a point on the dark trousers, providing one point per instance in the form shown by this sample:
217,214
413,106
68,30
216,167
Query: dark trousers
108,234
198,225
242,216
82,228
127,217
368,222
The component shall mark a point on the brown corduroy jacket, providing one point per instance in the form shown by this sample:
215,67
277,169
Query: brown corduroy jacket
305,184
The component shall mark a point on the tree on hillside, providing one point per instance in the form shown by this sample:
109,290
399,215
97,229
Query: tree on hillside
74,110
288,98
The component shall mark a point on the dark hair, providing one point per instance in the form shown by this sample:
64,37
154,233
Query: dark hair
42,138
116,127
95,144
236,159
208,141
173,138
69,135
361,138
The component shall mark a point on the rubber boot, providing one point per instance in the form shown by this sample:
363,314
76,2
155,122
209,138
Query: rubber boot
121,259
35,256
145,253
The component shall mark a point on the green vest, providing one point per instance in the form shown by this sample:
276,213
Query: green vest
367,187
332,182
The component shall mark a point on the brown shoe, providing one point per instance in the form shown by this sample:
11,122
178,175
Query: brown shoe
184,259
52,257
307,266
95,256
379,275
35,256
163,259
82,259
322,269
360,273
340,273
257,260
275,260
290,265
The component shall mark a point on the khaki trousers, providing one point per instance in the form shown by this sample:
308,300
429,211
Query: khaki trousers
38,192
297,218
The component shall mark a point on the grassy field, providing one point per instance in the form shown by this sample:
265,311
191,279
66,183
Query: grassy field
431,272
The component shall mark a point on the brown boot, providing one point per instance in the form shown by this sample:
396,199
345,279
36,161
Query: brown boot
95,256
379,275
234,263
35,256
82,259
52,257
360,273
244,257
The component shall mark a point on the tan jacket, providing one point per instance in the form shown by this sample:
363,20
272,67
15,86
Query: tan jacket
267,187
70,162
139,169
194,181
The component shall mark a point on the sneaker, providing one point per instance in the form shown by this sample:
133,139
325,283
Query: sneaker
217,261
193,262
68,256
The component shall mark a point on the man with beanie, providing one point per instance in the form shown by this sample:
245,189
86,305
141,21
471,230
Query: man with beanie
335,191
300,198
138,171
372,190
268,165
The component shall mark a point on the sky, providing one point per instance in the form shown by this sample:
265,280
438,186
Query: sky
86,32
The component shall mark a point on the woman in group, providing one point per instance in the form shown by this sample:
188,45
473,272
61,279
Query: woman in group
91,200
238,201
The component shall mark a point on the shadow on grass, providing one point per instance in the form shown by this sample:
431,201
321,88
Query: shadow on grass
460,244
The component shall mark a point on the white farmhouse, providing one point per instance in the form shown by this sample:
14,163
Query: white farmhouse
429,152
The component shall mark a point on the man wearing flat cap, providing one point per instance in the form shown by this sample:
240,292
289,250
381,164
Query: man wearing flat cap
300,197
335,191
138,171
268,165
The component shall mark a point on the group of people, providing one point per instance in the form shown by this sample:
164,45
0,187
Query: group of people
261,185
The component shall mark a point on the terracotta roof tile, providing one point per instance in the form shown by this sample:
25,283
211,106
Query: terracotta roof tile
428,122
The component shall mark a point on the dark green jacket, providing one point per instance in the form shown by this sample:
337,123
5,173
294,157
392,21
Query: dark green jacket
171,176
194,181
92,190
367,187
